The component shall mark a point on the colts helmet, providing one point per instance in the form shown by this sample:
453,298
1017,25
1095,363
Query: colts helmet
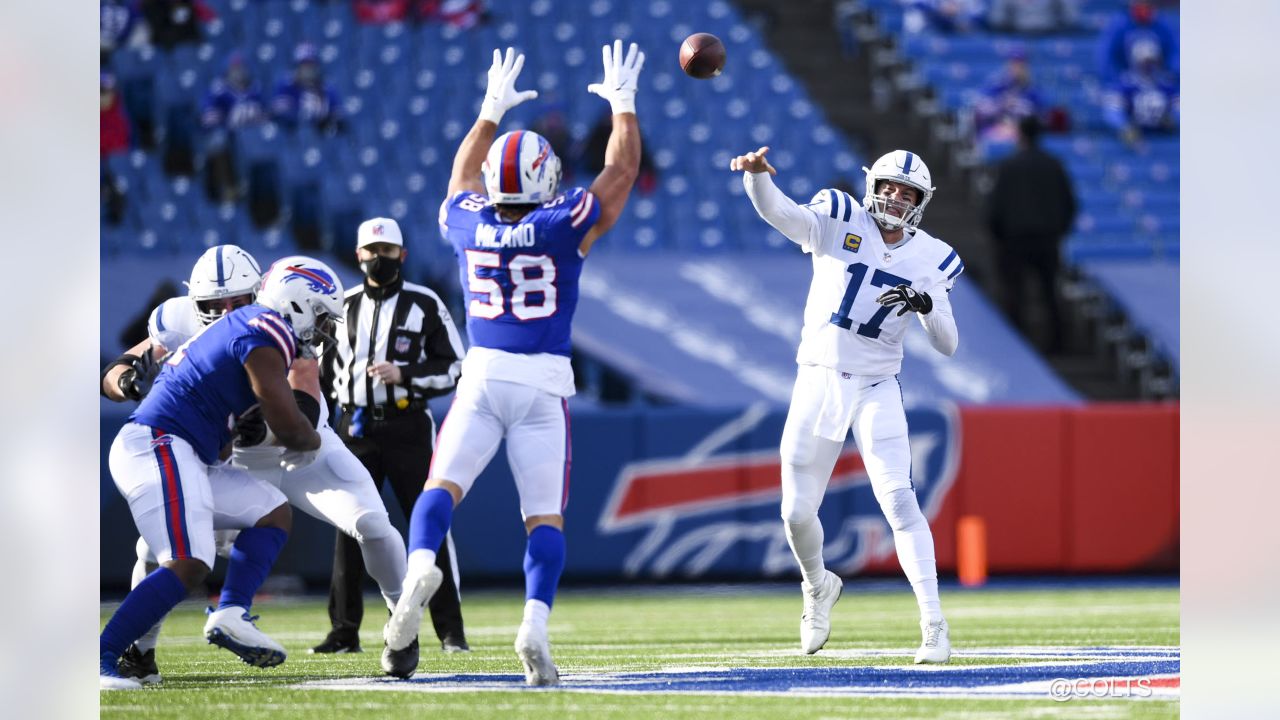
521,169
903,167
308,294
222,272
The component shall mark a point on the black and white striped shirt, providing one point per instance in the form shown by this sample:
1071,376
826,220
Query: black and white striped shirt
412,329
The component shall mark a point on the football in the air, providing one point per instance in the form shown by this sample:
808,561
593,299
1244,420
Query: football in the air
702,55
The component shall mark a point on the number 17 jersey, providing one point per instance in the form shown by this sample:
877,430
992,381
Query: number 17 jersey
844,327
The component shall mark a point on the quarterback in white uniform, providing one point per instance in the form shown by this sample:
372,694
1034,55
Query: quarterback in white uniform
334,487
871,266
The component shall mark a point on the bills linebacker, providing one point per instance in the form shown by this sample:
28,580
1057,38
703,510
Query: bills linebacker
168,462
335,488
520,245
872,265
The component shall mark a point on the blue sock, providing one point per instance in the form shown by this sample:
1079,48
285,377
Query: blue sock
432,515
543,563
152,599
252,556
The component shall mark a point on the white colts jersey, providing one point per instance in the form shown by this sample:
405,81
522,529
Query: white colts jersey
844,327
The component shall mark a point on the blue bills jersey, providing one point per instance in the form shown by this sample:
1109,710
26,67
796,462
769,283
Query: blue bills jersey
520,279
203,387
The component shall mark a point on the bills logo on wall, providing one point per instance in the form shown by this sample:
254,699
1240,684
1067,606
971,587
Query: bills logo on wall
714,510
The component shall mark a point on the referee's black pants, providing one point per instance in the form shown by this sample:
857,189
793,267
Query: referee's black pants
397,449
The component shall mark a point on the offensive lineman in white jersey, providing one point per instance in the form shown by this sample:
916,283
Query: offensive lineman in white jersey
333,487
871,265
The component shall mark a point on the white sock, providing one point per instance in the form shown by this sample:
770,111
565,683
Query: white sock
384,559
806,540
536,613
914,543
927,599
420,562
148,641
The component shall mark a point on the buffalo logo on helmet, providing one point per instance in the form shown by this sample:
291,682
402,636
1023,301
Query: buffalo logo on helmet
318,280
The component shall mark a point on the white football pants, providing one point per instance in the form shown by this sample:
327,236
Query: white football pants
176,500
535,424
879,426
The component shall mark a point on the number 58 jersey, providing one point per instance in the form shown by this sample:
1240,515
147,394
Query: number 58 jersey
520,282
844,327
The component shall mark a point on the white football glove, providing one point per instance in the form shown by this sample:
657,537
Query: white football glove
501,94
292,460
621,77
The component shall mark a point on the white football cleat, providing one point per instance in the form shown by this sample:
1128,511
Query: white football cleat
402,628
534,652
232,628
115,682
936,647
110,679
815,623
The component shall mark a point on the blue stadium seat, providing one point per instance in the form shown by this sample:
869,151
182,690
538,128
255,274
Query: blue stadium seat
1080,250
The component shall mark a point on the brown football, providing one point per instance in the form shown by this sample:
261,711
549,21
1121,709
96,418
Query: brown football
702,55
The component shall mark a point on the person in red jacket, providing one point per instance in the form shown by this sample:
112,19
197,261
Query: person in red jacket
115,124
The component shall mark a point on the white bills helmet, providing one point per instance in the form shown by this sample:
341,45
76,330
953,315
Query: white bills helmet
223,273
521,168
308,294
904,167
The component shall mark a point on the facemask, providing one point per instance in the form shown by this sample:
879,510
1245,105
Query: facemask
381,269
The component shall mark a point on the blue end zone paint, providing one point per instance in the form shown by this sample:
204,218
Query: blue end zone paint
834,679
1030,679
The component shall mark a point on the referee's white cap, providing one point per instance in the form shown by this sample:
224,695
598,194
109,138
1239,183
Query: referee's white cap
378,230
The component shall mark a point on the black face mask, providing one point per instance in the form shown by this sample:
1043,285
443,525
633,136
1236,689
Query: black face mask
381,270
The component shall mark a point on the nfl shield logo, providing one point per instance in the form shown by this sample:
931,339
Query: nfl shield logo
402,344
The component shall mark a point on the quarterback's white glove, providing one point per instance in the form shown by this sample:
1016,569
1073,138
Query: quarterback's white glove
621,77
501,94
292,460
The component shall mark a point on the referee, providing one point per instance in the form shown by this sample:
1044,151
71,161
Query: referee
399,347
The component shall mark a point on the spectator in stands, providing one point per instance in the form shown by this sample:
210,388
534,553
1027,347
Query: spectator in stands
305,97
377,12
1034,17
1145,99
461,14
591,156
175,22
944,16
1009,98
233,102
1030,209
1137,26
113,141
115,124
553,126
117,21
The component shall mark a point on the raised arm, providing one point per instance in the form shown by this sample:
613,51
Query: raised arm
499,97
613,185
780,211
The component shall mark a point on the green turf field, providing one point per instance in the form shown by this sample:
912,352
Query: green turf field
690,633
